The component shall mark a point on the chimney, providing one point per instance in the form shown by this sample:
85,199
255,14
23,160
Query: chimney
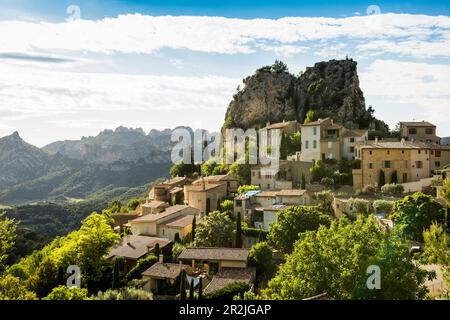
181,265
161,258
403,140
376,140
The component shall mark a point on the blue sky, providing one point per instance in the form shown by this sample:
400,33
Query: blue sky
130,63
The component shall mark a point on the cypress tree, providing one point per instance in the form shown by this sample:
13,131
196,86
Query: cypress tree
115,278
157,251
303,187
191,290
200,289
183,285
194,222
382,180
238,231
177,237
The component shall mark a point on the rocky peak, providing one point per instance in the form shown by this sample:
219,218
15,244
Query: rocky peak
272,94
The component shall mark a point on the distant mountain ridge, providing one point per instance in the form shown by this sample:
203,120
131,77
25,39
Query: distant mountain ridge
446,141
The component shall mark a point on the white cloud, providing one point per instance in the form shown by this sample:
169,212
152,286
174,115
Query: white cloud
29,92
411,84
147,34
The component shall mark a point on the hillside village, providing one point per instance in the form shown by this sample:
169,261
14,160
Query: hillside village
377,173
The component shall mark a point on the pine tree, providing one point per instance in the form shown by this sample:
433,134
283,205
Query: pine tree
177,237
238,231
191,290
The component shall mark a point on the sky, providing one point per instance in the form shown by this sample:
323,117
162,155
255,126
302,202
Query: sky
73,68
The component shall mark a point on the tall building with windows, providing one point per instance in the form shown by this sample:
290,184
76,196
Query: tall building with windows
419,131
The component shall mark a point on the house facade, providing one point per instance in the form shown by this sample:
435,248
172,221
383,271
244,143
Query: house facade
419,131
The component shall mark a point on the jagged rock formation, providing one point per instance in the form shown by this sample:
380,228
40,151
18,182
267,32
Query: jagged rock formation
272,94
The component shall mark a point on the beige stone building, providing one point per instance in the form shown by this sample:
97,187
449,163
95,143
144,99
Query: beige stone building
419,131
325,139
205,196
410,161
288,176
173,220
170,191
232,184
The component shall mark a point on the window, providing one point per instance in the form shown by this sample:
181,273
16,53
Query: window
388,152
370,165
306,144
239,203
370,152
420,151
405,164
352,149
387,164
438,154
315,144
412,131
428,131
419,164
315,131
352,140
437,164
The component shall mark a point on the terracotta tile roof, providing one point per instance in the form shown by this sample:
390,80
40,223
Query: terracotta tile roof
169,211
291,193
155,204
179,222
280,125
393,145
271,194
417,124
200,188
176,189
165,270
316,123
216,178
135,247
354,133
224,254
227,276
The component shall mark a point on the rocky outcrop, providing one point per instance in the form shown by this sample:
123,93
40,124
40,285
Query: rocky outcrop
272,94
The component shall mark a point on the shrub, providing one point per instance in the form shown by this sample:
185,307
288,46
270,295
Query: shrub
392,189
383,206
228,292
126,293
141,266
327,182
360,206
65,293
245,188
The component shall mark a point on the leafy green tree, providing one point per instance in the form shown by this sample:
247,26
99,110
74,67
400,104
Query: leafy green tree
13,288
320,170
227,206
181,169
66,293
325,201
208,167
215,231
96,237
331,259
238,241
177,249
279,67
7,238
245,188
310,117
294,142
416,213
437,242
401,277
291,222
283,146
177,237
261,257
133,204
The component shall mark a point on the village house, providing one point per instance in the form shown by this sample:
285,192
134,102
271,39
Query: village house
400,161
170,191
174,220
135,247
260,208
419,131
232,184
162,277
325,139
289,175
205,195
286,127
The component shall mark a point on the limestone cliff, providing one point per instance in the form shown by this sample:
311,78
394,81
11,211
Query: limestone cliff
273,94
